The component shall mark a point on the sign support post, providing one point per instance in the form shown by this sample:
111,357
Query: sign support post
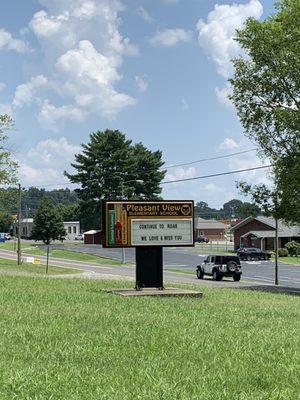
149,267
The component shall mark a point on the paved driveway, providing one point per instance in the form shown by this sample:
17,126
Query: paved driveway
189,258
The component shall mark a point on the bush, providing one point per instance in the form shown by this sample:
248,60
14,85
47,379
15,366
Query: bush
283,253
293,248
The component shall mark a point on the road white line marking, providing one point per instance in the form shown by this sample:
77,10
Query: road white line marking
175,265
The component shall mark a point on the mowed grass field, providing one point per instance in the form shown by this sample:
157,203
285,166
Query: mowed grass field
40,250
73,255
68,339
12,267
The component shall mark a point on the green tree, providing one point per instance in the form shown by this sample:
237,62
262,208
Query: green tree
204,211
110,167
8,167
48,223
266,94
70,212
249,210
6,221
232,208
238,209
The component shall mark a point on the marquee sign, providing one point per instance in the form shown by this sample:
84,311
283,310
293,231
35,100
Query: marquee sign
148,223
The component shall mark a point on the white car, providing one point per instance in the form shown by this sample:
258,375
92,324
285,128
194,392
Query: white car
219,266
7,236
79,237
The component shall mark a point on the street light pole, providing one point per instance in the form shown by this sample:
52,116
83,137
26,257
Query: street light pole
19,225
123,248
276,252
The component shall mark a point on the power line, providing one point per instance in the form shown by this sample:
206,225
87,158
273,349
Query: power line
174,181
214,175
208,159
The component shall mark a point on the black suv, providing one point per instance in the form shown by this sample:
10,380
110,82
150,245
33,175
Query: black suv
219,265
253,253
201,239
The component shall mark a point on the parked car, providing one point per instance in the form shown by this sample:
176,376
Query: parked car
79,237
219,265
253,253
7,236
201,239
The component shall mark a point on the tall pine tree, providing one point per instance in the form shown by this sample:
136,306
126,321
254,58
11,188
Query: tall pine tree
111,167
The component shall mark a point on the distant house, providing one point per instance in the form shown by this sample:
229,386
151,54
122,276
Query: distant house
260,232
210,228
26,226
72,228
92,237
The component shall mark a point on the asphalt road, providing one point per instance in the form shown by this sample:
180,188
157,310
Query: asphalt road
189,258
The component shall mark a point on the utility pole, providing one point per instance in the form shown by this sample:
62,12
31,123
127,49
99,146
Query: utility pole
276,251
19,225
123,248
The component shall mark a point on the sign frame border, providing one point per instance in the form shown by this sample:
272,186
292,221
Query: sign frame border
106,245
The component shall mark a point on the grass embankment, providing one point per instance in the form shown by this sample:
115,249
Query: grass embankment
290,260
182,271
73,255
67,339
39,250
11,266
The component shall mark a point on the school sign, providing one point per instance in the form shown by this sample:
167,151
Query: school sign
148,223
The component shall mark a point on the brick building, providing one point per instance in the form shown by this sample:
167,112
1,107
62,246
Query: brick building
260,232
210,228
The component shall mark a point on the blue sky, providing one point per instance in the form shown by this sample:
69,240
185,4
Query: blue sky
156,70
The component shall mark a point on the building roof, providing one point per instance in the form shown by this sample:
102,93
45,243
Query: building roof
27,220
264,234
201,223
91,232
284,230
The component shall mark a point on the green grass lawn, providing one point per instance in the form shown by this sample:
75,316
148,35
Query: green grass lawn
290,260
67,339
11,266
12,244
39,250
182,271
73,255
9,245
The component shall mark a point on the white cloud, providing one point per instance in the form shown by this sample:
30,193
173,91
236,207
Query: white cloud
171,37
90,78
50,151
2,86
184,104
9,43
24,94
86,63
50,114
180,173
44,164
216,36
211,188
83,53
6,109
45,26
222,96
143,13
142,82
228,144
245,161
